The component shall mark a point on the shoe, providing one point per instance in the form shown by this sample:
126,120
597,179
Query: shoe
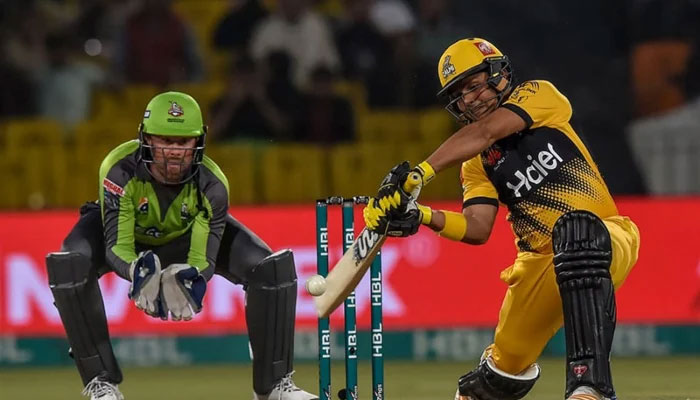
100,389
586,393
286,390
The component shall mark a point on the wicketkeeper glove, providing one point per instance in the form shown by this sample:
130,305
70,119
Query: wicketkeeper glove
183,289
145,283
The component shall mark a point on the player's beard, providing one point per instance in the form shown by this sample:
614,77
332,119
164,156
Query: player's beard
173,170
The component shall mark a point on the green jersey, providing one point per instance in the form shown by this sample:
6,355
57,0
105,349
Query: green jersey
137,211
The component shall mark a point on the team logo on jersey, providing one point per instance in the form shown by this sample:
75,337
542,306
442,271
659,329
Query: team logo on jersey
113,188
447,67
175,109
184,212
143,205
484,48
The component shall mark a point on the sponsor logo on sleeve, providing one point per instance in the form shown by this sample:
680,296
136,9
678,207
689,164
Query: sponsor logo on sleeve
113,188
523,92
147,114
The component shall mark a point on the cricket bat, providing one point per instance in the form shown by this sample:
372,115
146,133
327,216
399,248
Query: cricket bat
349,270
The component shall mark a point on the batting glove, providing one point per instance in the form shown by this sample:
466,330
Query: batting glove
391,197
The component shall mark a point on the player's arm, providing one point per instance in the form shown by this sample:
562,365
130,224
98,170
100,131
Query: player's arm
208,229
479,208
118,216
472,226
472,139
532,104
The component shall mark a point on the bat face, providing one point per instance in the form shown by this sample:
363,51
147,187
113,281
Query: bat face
348,272
363,246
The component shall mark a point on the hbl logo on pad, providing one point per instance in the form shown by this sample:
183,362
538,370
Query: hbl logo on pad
579,370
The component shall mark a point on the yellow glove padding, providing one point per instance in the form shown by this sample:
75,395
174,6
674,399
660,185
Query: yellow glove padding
426,214
426,171
386,203
372,214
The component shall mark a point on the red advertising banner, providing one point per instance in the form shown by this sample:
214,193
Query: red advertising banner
428,281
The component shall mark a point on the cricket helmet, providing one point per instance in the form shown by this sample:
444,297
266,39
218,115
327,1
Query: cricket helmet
467,57
173,114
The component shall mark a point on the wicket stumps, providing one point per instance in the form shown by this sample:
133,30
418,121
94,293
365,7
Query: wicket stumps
350,339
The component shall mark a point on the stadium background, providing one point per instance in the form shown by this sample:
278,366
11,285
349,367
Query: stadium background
76,75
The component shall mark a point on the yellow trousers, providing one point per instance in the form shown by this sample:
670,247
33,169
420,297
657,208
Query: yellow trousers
531,312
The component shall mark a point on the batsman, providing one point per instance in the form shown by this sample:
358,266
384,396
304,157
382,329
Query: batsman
518,149
162,223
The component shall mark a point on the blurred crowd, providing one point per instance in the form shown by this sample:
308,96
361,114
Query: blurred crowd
320,71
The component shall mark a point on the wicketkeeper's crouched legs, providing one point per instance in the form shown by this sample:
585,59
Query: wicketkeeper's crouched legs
270,312
271,292
77,296
73,275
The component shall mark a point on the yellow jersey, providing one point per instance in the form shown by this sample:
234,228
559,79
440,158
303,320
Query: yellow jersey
539,173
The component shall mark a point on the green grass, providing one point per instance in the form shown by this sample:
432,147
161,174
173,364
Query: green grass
635,379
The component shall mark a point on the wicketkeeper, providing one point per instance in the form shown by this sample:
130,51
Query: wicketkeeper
518,149
162,223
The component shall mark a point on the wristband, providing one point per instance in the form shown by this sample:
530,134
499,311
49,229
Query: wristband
455,226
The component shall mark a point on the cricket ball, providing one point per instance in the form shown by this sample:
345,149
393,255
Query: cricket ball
316,285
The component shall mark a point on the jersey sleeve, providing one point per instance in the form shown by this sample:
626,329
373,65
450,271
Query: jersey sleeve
539,103
118,219
476,186
208,228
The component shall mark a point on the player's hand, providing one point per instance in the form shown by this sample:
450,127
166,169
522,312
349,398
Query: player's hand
401,225
391,197
145,283
182,290
376,219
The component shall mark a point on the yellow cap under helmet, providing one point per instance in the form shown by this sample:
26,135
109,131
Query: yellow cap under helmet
469,56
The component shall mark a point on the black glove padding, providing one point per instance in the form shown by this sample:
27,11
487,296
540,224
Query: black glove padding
406,224
391,197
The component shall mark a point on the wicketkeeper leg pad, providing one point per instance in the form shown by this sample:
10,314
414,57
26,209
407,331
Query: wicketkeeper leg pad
487,382
73,282
582,257
270,311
